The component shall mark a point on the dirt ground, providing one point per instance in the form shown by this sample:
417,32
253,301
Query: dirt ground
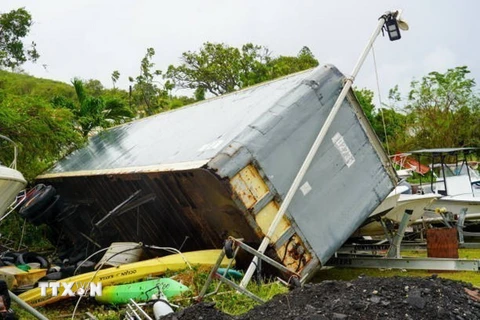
363,298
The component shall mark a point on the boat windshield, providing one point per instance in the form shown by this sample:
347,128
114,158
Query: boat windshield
461,170
439,173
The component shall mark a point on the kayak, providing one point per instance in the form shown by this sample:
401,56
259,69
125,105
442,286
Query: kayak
126,273
141,291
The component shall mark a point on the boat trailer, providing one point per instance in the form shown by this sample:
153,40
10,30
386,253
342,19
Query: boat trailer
393,258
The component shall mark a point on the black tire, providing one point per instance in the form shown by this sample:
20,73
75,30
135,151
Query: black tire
68,270
37,202
28,257
49,213
52,276
228,247
85,266
30,193
9,258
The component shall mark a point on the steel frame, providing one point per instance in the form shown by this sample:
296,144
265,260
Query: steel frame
237,244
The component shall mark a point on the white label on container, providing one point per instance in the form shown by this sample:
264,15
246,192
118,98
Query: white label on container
342,147
306,188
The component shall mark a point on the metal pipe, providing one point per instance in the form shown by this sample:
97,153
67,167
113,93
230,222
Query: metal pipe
432,173
468,172
27,307
394,251
308,160
420,169
443,164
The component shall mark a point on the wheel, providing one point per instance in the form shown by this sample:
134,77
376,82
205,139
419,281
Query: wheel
28,257
228,248
48,214
85,266
9,258
52,276
30,193
37,202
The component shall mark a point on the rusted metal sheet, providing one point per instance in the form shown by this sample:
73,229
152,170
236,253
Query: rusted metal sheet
222,167
249,186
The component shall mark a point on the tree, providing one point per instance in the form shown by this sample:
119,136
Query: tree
115,77
147,90
94,87
43,133
365,99
94,112
285,65
14,26
218,68
389,125
445,109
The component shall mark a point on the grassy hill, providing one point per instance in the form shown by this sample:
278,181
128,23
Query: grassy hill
24,85
44,132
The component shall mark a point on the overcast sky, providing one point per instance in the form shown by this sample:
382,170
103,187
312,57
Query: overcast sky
91,38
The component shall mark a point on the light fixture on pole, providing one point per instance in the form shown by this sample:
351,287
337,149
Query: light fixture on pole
392,28
381,26
393,24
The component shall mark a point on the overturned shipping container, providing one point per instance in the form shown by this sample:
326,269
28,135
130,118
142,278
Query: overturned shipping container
193,176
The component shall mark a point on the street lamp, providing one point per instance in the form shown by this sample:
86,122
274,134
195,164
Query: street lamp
395,23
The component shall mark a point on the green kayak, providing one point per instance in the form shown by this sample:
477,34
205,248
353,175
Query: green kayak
141,291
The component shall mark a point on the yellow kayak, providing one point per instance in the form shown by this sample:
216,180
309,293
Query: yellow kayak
124,274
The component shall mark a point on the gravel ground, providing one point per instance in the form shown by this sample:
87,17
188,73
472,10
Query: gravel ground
364,298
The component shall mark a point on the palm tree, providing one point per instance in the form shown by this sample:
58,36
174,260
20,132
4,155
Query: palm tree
93,112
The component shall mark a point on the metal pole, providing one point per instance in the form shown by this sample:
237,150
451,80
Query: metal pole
27,307
308,160
468,172
394,251
461,224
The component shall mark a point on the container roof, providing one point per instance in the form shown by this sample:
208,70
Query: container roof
184,138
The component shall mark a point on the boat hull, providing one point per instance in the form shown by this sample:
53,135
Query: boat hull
456,203
416,203
11,182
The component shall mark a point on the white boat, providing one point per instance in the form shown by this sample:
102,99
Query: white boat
458,185
392,209
11,181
